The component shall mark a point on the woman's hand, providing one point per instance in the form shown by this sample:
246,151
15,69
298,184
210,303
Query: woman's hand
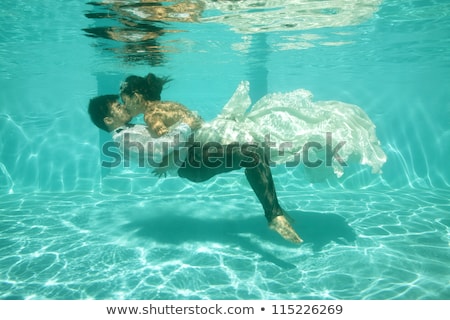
156,125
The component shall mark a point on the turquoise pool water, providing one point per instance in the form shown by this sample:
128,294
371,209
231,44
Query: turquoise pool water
70,229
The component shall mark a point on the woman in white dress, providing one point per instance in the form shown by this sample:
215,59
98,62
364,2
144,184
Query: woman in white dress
292,127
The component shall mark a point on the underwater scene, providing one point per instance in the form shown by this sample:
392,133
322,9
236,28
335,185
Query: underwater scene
338,112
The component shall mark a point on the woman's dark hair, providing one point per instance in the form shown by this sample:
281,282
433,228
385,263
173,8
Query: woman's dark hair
150,87
99,109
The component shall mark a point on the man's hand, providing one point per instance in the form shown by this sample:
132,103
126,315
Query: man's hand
160,172
166,164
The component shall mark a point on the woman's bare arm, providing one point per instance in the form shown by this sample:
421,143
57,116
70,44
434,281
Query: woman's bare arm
160,115
156,124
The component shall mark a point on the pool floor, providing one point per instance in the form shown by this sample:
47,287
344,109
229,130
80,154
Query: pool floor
369,244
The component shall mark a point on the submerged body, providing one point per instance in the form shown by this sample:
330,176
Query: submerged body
285,123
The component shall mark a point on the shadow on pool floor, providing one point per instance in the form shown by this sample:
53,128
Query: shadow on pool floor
317,229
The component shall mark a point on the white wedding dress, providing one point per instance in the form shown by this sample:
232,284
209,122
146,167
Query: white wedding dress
292,121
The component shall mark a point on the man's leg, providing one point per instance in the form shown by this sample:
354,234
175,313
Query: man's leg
260,179
201,165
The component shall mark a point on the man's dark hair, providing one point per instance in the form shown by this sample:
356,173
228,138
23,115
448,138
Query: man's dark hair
150,87
99,109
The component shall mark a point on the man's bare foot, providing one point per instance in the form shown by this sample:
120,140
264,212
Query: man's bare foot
281,225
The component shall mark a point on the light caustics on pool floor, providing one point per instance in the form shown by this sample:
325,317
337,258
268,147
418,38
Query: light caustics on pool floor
358,245
124,235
